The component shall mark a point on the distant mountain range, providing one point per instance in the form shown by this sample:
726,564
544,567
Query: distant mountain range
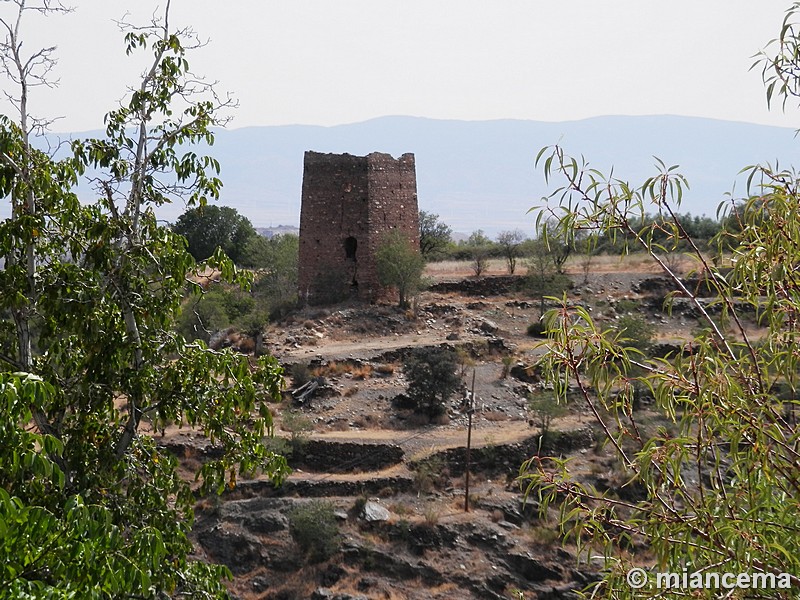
481,174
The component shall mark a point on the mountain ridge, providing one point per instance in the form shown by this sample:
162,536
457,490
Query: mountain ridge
481,174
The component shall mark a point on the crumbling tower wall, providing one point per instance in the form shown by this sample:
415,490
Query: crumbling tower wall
349,203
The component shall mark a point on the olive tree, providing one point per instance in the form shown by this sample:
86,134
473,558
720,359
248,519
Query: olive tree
718,483
91,506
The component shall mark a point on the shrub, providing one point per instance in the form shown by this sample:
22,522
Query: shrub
301,374
537,329
314,529
385,369
432,377
299,426
635,332
480,262
626,305
545,407
253,322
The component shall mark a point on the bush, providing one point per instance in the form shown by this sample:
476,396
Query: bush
314,529
544,408
299,426
217,308
300,373
635,332
432,377
399,265
200,319
537,329
253,322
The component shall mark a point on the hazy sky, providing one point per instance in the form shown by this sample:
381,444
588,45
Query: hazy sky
329,62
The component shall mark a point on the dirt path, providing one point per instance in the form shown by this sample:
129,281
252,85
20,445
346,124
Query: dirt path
363,348
424,441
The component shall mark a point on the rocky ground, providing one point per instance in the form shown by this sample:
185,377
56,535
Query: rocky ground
396,482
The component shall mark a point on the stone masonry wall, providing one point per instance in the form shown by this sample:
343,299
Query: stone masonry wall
348,205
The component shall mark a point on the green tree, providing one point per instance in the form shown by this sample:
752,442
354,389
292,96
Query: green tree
209,227
432,379
719,489
545,407
542,279
89,506
399,265
276,283
509,242
434,235
479,247
478,238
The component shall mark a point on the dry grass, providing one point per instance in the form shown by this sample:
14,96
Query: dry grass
463,268
495,416
637,262
362,372
432,513
386,369
370,421
340,425
544,534
332,369
339,368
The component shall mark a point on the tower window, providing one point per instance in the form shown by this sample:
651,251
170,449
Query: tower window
350,247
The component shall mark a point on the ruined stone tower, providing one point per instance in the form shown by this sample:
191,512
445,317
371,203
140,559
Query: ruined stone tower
349,203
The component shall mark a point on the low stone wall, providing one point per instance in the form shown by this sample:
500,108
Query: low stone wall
324,488
482,286
506,459
325,456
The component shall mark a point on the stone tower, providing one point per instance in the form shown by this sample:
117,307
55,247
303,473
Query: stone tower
349,203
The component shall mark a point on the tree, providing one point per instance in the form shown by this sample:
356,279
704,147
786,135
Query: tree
479,246
509,242
434,236
399,265
90,507
718,487
209,227
432,379
544,407
478,238
277,258
542,279
585,246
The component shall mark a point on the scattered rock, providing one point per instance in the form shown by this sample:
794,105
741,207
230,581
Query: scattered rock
326,594
525,373
235,549
375,512
488,326
533,569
